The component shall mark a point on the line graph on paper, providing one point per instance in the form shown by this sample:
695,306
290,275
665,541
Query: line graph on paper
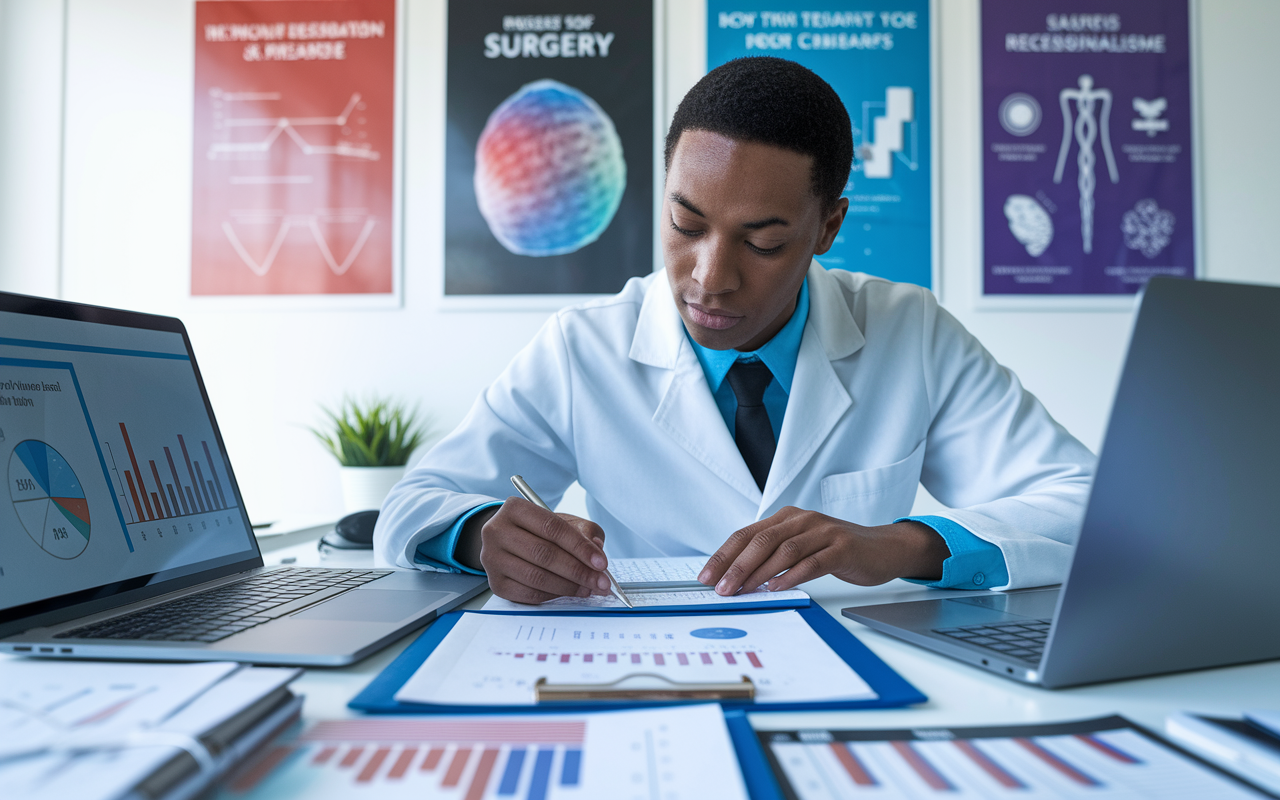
286,127
294,163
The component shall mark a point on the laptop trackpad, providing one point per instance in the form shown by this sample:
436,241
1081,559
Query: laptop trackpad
374,605
1036,605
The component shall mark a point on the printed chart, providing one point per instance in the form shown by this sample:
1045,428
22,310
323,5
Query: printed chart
49,499
631,755
496,659
1101,759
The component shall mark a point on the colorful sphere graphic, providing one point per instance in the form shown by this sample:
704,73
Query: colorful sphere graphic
549,170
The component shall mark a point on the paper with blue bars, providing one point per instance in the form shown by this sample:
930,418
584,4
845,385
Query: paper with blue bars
671,753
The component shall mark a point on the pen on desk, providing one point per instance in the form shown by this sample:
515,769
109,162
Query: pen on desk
526,491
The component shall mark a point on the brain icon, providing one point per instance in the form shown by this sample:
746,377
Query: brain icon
1147,227
549,170
1029,223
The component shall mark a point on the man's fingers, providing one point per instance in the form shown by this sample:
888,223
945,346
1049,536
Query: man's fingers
517,592
788,554
815,566
515,567
552,527
548,556
721,559
777,535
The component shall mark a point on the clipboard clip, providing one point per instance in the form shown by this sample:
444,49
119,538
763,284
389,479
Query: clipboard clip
642,686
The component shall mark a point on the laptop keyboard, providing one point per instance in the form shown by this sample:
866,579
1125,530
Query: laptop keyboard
1024,640
218,613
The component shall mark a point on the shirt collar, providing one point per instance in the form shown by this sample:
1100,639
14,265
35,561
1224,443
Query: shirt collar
779,354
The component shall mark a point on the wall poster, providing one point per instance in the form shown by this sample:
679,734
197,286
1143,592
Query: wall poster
1088,160
295,168
877,58
549,148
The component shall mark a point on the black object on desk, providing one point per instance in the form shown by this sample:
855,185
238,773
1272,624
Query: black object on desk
353,532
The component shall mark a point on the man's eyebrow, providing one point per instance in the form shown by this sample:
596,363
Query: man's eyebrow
764,223
676,197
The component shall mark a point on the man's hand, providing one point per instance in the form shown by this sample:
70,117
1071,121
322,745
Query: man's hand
794,546
532,555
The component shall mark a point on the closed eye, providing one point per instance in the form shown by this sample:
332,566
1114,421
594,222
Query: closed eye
684,231
762,251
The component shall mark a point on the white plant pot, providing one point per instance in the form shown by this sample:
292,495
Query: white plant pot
364,488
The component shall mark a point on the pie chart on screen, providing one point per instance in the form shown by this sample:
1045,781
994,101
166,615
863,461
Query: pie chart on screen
49,499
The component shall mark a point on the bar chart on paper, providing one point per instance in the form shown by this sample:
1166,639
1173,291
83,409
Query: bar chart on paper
495,659
1096,759
623,755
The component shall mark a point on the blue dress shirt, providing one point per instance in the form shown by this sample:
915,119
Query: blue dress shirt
973,564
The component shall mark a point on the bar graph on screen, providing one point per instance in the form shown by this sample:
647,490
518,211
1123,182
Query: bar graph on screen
172,486
640,754
1097,758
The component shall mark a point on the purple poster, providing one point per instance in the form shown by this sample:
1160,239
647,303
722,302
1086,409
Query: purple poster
1088,176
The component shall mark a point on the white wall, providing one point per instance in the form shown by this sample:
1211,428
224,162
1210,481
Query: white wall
125,208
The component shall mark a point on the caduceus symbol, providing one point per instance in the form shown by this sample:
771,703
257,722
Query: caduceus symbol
1087,99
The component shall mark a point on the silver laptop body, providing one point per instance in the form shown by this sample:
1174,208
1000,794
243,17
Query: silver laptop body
123,534
1176,565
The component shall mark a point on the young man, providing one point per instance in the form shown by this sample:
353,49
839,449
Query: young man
747,403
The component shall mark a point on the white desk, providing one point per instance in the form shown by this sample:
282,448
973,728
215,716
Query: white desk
958,693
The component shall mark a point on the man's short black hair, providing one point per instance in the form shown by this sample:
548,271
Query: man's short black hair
776,102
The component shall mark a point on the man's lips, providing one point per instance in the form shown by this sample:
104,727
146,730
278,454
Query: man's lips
715,319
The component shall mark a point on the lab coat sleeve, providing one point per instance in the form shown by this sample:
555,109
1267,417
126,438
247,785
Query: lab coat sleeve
1009,473
519,425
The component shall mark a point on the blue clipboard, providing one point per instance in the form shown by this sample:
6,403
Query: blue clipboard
892,689
756,773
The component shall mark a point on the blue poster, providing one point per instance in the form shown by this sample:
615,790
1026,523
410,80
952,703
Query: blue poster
878,62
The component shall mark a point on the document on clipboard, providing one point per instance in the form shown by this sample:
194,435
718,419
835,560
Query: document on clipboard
498,659
659,583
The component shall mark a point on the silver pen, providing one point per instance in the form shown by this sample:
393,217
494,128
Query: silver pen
526,491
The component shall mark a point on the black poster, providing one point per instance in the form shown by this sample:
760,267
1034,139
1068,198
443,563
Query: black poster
549,168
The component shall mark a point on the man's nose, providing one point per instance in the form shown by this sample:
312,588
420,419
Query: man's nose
716,272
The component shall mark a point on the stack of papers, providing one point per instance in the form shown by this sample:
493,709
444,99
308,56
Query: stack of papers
109,730
1249,747
669,584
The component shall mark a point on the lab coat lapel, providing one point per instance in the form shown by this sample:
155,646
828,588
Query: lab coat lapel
687,412
818,399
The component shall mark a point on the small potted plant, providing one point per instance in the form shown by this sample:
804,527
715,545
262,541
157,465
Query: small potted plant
372,442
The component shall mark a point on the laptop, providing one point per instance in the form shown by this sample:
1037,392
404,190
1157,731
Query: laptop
123,533
1177,561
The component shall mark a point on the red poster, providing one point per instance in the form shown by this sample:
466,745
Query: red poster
294,162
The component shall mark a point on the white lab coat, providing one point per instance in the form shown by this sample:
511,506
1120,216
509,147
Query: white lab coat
889,391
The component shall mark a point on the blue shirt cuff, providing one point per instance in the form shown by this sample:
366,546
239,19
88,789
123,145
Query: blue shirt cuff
437,552
974,563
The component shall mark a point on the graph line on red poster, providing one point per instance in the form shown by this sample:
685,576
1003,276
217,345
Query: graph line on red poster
312,223
284,125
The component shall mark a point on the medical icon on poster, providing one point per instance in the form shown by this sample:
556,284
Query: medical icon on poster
1029,223
550,172
1092,120
894,134
1149,116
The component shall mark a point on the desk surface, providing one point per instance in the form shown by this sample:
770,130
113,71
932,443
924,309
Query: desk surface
959,694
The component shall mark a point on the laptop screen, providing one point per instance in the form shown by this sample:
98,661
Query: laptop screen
116,475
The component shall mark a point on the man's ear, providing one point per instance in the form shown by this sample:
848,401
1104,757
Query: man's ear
831,226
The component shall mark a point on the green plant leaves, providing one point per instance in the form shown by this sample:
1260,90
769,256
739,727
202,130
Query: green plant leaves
378,433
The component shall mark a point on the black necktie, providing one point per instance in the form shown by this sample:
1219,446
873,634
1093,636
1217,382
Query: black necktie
752,430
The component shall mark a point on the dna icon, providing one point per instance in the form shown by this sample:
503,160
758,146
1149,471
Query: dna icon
1091,118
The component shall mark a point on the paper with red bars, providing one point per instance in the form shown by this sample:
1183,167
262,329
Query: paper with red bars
673,753
293,167
495,659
